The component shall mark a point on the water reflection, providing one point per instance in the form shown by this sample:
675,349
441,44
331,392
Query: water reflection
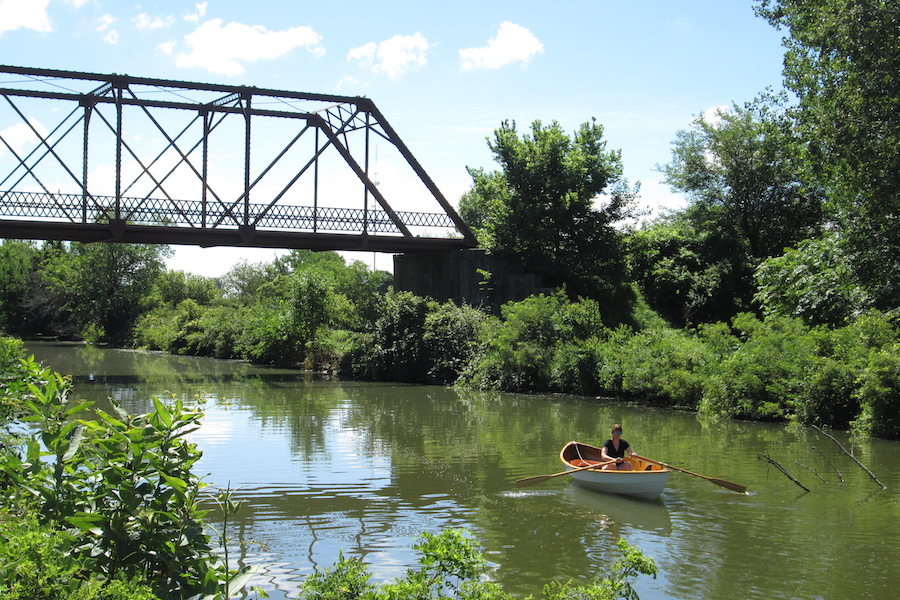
325,466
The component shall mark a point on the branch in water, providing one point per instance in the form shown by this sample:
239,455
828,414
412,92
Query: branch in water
810,469
862,466
828,462
771,461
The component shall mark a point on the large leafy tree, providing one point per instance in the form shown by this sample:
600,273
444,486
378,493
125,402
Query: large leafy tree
553,205
17,263
747,202
104,286
741,174
689,275
842,61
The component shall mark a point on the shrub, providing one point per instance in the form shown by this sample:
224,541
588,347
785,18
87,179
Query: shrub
38,562
123,483
451,566
543,343
450,336
879,394
764,377
659,364
395,350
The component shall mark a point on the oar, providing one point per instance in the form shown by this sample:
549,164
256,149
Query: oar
720,482
526,481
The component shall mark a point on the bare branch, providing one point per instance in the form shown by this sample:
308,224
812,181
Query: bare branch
862,466
813,471
771,461
828,462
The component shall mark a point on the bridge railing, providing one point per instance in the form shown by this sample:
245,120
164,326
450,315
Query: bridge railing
76,208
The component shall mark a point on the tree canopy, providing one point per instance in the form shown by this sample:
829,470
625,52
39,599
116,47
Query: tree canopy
842,61
553,205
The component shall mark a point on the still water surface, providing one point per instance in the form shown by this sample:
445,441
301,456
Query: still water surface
324,466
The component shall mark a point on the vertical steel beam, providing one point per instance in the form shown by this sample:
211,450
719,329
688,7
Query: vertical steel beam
316,185
365,229
247,96
118,93
205,168
88,109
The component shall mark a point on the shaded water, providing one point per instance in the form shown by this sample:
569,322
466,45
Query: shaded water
325,466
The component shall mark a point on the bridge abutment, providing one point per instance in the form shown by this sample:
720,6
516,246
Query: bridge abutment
470,276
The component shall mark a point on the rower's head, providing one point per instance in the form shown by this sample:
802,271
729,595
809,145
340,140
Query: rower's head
616,429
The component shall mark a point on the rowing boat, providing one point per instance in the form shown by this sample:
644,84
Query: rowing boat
645,480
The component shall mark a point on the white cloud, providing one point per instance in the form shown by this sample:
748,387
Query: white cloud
24,14
77,3
222,49
21,137
105,21
513,43
112,37
167,47
145,21
195,17
392,57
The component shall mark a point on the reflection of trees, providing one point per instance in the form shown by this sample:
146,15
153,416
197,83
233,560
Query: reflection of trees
429,457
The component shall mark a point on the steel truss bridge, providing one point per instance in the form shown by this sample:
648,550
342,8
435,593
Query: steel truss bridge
90,157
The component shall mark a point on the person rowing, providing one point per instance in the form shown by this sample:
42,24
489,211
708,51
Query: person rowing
615,449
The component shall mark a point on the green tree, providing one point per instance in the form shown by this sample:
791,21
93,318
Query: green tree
554,205
687,273
842,60
814,281
105,286
741,175
173,287
18,261
748,200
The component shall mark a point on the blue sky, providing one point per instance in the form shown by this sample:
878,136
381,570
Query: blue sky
444,74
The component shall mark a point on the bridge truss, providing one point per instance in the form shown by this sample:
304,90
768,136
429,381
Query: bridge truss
89,157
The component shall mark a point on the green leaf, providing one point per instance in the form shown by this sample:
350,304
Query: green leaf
74,443
163,412
240,580
115,423
175,482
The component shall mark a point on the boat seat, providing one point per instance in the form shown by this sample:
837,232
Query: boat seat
580,462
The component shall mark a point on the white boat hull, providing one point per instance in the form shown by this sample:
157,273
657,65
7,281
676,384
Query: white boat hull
646,480
641,484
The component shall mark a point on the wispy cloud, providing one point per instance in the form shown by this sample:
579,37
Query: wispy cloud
167,48
222,48
196,16
513,43
24,14
145,21
104,25
392,57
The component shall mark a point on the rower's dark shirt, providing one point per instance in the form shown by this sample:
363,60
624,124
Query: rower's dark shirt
611,450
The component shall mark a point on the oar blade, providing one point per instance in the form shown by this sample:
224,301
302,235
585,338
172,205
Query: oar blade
735,487
527,481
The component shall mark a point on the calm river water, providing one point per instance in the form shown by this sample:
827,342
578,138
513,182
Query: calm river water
324,466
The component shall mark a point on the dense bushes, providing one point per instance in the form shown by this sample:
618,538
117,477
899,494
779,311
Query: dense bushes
772,369
111,501
416,340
